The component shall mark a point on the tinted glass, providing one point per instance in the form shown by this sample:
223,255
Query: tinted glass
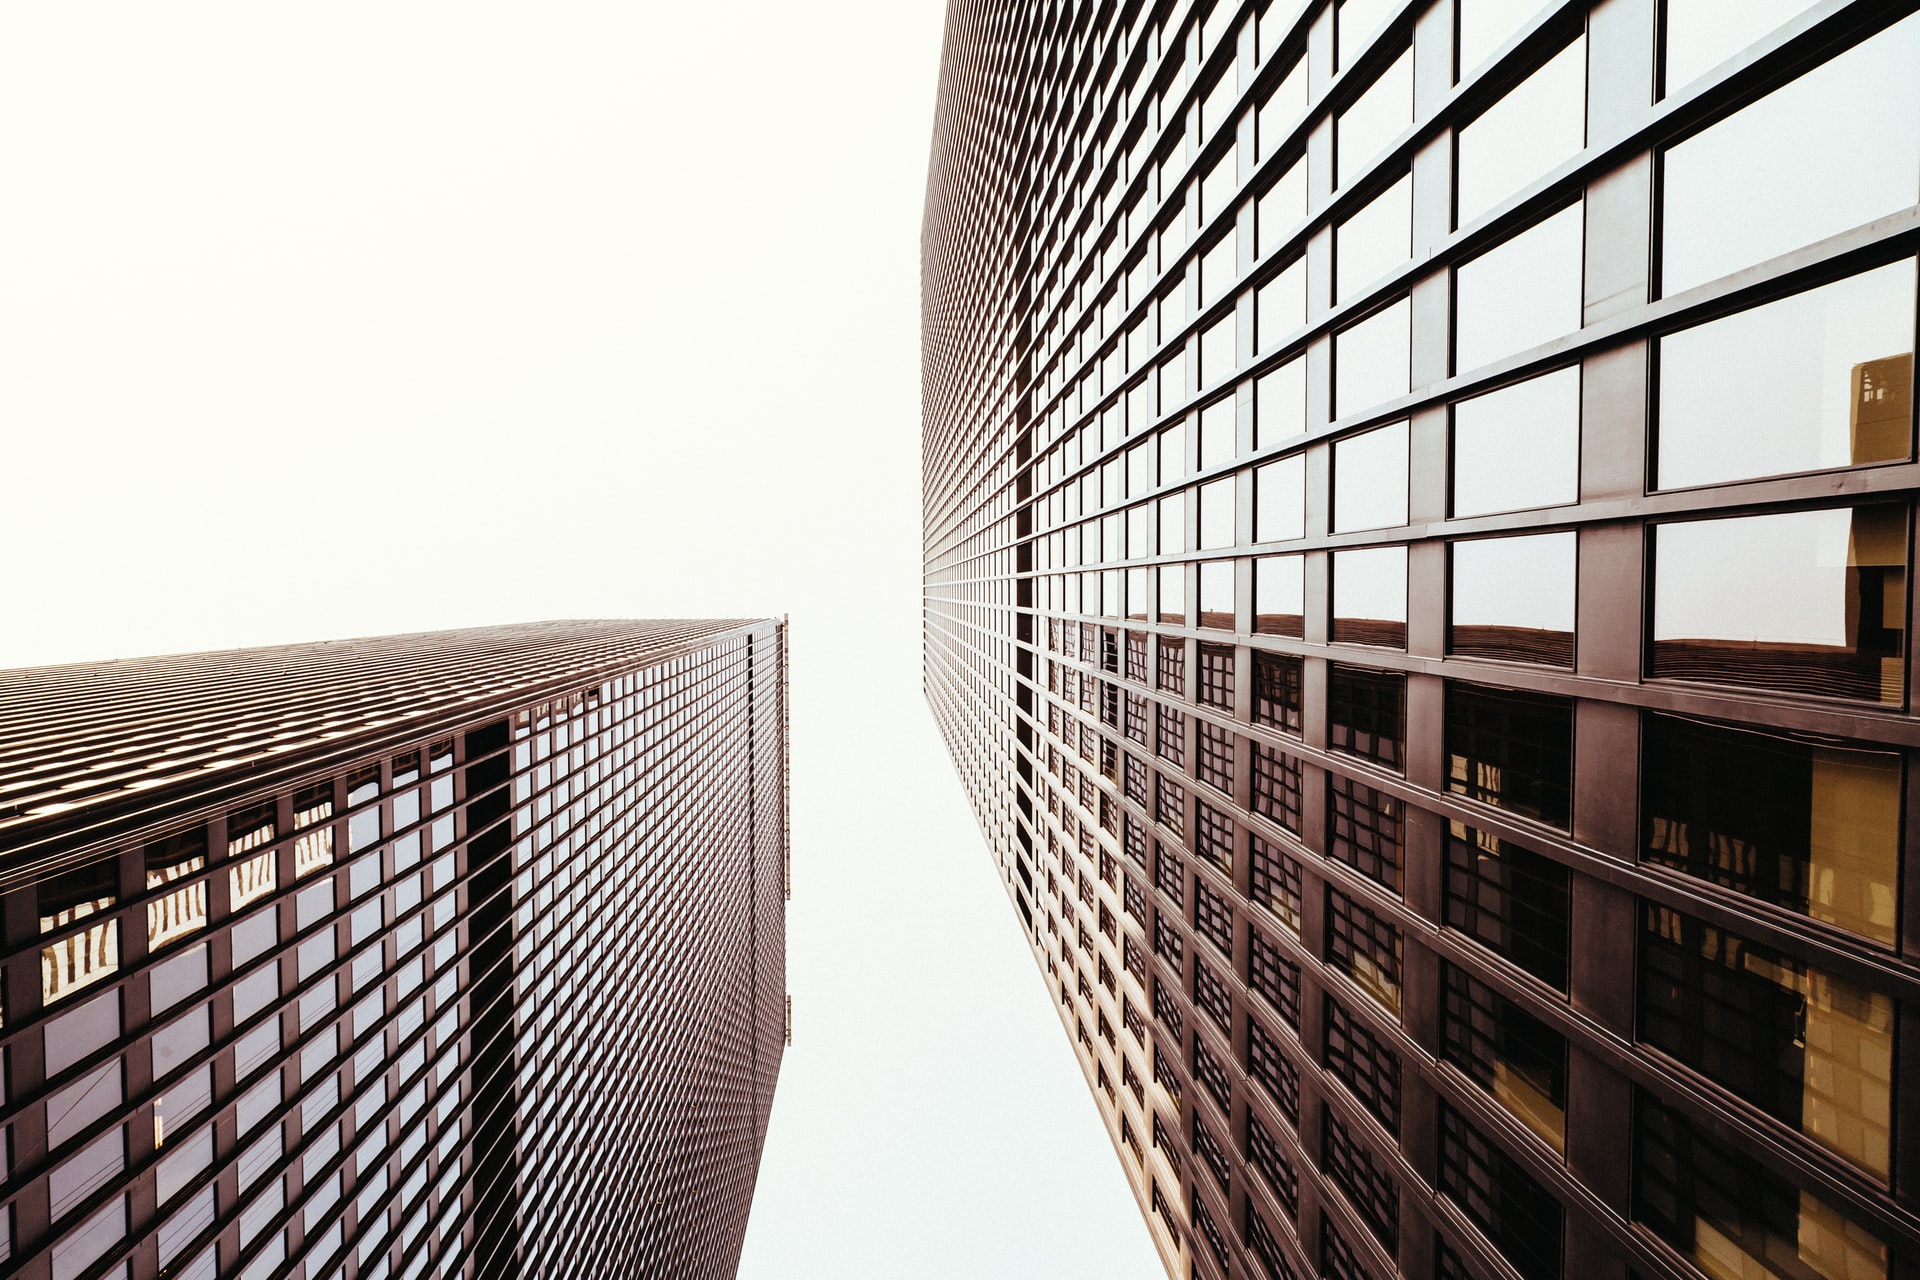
1280,596
1513,598
1370,596
1701,34
1521,293
1216,594
1540,123
1370,360
1381,114
1843,138
1833,386
1518,447
1803,602
1511,750
1370,479
1374,241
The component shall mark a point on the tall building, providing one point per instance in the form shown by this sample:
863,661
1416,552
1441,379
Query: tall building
455,954
1418,506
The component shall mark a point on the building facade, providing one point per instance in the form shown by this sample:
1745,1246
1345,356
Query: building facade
455,954
1418,506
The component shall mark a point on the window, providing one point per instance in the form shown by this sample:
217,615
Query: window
1540,123
1216,595
1835,388
1520,293
1212,1076
1173,592
1508,1052
1510,900
1845,137
172,867
1271,1161
1275,978
1173,667
1276,882
1371,360
1511,750
1264,1245
1280,308
1518,447
1213,918
1217,426
1170,743
78,897
1370,479
1363,1177
1363,830
1369,1069
1280,596
1806,602
1513,598
1203,1221
1813,1050
1813,827
1211,996
1280,500
1370,597
1270,1068
1276,787
1216,676
1165,1007
1381,114
1280,404
1485,25
1365,948
1728,1212
1366,713
1216,514
1517,1214
1701,34
1374,241
1169,876
1276,690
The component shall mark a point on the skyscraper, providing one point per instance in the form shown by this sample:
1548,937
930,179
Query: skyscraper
1418,504
455,954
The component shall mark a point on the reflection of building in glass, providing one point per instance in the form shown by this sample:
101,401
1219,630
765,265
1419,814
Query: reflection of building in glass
457,954
1423,636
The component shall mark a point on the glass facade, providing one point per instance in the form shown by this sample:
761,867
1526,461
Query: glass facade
1517,399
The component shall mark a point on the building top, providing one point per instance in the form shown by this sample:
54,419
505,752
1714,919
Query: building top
93,750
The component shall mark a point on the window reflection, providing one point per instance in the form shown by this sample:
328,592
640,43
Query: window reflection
182,908
1513,598
1280,596
1844,139
1520,293
1374,241
1280,306
1216,514
1803,602
1283,206
1511,750
1381,114
1173,593
1370,596
1356,22
1832,387
1518,447
1485,25
1508,1052
1812,827
1280,404
1370,479
1216,594
1371,361
1701,34
80,897
1280,500
1540,123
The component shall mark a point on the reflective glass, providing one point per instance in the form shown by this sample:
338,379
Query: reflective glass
1821,379
1518,447
1371,360
1280,596
1701,34
1485,25
1844,139
1280,306
1219,269
1520,293
1280,404
1173,593
1370,596
1216,594
1280,500
1217,425
1370,479
1216,514
1803,602
1356,22
1173,453
1376,118
1374,241
1541,122
1513,598
1282,208
1173,523
1218,349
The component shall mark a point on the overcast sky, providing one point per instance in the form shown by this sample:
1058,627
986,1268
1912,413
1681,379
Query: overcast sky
339,320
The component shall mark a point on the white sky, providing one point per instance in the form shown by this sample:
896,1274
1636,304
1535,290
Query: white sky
362,318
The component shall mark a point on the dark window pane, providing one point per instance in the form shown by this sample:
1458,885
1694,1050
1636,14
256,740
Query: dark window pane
1363,830
1276,690
1509,899
1511,750
1368,1067
1518,1215
1366,713
1364,947
1510,1053
1369,1187
1275,978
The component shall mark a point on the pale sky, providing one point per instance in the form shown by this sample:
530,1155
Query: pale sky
362,318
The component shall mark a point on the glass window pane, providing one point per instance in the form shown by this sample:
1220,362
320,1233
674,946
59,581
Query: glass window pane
1485,25
1216,514
1370,360
1216,594
1280,306
1370,596
1511,750
1812,827
1508,1052
1173,523
1357,21
1803,602
1375,119
1521,293
1283,206
1518,447
1701,34
1280,500
1280,596
1217,423
1173,593
1843,138
1821,379
1280,404
1541,122
1513,598
1374,241
1370,479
